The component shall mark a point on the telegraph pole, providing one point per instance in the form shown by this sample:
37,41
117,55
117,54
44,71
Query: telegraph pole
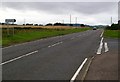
24,22
111,20
119,12
70,19
76,21
63,21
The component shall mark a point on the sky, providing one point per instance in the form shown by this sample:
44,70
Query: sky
91,13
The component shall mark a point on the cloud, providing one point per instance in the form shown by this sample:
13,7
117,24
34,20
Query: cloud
63,7
44,12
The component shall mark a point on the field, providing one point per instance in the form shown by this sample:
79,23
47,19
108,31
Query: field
30,26
112,33
29,34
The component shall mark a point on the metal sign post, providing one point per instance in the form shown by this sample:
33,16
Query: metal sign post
8,21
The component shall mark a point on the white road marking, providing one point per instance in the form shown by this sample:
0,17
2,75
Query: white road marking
100,47
19,57
101,40
78,35
29,42
55,44
79,69
101,34
87,68
106,47
22,43
72,38
49,46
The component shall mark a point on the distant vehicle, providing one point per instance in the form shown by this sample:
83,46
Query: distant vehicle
94,28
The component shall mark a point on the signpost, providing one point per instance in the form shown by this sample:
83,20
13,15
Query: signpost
8,21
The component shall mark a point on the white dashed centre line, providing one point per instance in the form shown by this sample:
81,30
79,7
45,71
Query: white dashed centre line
19,57
55,44
72,38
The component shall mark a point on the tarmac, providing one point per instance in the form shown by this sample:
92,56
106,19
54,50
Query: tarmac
103,67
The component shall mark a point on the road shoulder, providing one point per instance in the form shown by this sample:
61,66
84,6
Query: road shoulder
104,66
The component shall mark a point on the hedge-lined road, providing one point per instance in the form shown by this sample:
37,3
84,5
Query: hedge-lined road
55,58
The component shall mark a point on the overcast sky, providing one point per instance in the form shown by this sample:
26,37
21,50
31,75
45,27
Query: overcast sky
92,13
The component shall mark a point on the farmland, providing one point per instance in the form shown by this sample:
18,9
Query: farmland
22,34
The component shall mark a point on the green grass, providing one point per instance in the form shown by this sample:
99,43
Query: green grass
112,33
26,35
0,42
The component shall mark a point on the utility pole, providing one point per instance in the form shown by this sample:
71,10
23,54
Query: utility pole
119,12
24,22
76,21
63,21
111,20
70,19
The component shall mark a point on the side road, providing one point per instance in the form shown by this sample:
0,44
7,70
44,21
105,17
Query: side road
105,66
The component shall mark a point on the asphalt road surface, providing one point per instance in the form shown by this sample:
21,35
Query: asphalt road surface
55,58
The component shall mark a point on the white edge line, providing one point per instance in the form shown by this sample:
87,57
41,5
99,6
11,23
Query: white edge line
101,40
18,57
106,47
100,47
101,34
79,69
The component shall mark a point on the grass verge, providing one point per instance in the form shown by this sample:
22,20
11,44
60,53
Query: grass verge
34,34
112,33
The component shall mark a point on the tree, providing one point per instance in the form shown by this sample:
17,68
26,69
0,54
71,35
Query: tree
113,27
49,24
59,24
82,25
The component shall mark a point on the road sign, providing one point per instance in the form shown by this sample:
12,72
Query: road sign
10,20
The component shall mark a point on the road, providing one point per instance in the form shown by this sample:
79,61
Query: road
105,66
55,58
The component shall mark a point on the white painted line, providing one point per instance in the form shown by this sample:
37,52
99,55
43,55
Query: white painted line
101,40
19,57
55,44
87,68
100,47
101,34
49,46
78,35
72,38
30,42
79,69
106,47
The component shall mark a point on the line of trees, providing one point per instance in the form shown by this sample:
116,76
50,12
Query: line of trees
113,27
49,24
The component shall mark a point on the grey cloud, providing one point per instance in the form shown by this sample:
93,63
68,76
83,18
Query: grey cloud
64,7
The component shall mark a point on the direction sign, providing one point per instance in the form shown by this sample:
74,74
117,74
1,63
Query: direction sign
10,20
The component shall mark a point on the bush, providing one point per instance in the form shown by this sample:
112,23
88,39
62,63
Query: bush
113,27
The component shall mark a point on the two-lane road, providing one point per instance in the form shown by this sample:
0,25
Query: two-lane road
55,58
